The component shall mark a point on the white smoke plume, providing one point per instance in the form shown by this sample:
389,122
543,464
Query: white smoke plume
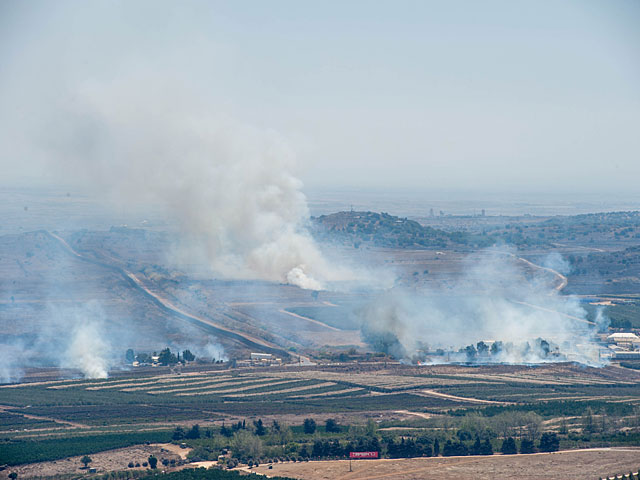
152,126
229,186
74,337
213,351
88,350
496,300
82,340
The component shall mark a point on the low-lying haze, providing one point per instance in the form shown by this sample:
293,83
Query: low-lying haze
211,115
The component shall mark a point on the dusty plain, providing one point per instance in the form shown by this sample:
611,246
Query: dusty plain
566,465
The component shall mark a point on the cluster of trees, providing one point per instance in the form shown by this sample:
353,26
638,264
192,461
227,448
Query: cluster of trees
235,427
257,442
166,357
387,230
460,448
260,429
179,433
549,442
337,449
541,348
408,447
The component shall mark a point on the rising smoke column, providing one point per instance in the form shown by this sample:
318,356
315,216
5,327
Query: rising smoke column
88,350
134,105
228,185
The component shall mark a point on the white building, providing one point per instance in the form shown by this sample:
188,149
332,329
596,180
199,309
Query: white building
265,359
627,340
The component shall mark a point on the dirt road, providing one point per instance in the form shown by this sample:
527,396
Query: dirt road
562,279
6,409
310,320
165,304
433,393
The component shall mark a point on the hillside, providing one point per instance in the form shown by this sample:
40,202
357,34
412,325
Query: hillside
384,230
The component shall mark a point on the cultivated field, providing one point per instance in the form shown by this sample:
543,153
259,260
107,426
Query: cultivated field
150,401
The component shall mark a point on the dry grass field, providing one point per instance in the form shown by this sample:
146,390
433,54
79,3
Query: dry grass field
566,465
107,461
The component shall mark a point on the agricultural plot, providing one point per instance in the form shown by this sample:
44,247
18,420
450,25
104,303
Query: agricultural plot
154,402
13,422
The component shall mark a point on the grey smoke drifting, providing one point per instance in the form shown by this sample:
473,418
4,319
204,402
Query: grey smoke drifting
74,337
135,114
495,300
229,186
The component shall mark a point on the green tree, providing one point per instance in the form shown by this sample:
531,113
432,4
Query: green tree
246,445
588,425
527,446
260,429
332,426
482,348
487,448
476,449
86,460
471,353
130,356
194,432
309,426
549,442
167,358
153,461
371,428
496,348
187,356
13,475
225,431
509,446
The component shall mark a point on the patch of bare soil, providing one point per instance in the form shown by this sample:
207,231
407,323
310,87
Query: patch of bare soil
567,465
426,416
175,449
103,462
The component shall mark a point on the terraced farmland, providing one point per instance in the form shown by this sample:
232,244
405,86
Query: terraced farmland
152,401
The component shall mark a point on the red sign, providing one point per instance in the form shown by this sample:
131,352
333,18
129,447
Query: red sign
363,455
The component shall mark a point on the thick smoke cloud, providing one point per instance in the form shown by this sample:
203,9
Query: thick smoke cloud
495,300
229,186
143,119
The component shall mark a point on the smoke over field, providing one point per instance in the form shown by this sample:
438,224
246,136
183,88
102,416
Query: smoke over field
518,315
230,187
143,118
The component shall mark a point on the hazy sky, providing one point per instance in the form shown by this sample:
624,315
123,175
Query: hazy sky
472,95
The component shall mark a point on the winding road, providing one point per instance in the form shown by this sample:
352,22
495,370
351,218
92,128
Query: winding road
167,306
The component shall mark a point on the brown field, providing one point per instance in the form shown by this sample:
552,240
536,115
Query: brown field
110,460
567,465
